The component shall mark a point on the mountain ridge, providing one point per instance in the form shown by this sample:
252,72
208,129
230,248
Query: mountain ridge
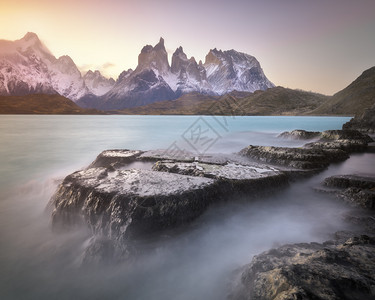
154,79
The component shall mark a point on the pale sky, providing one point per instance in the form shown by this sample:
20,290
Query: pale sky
319,45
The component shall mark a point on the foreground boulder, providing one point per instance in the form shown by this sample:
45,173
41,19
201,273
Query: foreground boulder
311,271
125,195
127,203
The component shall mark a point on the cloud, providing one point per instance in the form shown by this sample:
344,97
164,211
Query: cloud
107,65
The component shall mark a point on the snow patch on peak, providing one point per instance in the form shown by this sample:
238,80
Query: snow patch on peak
97,83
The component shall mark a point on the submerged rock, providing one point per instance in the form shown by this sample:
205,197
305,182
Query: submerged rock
311,271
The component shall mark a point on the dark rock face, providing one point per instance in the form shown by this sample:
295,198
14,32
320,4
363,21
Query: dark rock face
333,146
300,134
364,123
356,190
311,271
130,203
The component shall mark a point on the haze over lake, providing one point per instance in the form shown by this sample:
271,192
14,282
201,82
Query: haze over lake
195,262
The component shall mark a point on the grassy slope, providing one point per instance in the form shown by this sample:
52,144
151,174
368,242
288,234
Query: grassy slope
41,104
354,99
275,101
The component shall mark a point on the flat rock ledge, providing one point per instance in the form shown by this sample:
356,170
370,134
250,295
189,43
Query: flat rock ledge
353,189
125,195
311,271
333,146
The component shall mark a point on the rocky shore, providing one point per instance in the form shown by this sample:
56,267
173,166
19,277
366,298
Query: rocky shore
127,195
342,268
364,123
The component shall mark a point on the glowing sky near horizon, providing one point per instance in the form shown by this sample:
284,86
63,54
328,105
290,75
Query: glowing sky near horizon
319,45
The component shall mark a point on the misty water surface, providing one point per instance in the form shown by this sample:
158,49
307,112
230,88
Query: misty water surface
195,262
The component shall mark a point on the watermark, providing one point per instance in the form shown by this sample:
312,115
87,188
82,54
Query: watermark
206,130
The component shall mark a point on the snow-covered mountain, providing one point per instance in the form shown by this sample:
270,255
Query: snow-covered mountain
97,83
231,70
27,66
191,77
155,80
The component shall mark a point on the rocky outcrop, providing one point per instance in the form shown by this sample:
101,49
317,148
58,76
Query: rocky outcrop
326,271
342,268
125,204
333,146
364,122
300,158
300,134
354,189
126,195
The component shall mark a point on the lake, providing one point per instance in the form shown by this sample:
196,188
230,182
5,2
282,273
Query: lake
195,263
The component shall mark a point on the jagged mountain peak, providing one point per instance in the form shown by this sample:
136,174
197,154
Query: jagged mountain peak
232,70
212,58
30,43
179,51
124,75
31,36
97,83
160,45
66,59
153,58
27,67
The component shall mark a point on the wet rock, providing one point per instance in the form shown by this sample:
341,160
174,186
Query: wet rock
344,145
364,122
125,204
346,140
300,134
98,250
311,271
115,158
155,155
354,189
232,177
333,146
300,158
345,135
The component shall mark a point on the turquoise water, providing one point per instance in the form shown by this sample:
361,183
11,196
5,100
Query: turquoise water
37,151
36,146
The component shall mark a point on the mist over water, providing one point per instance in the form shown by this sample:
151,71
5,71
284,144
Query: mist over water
194,262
